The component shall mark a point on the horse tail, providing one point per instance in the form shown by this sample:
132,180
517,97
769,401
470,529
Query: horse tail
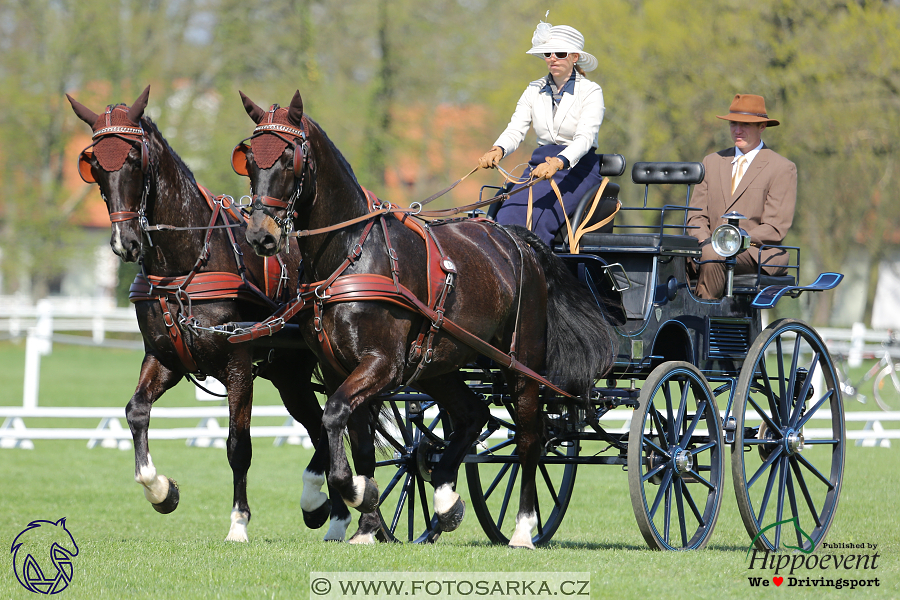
581,344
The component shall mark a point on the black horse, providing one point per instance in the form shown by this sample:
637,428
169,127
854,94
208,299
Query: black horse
201,277
385,291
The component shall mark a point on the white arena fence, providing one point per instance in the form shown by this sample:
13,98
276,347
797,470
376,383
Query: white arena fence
41,324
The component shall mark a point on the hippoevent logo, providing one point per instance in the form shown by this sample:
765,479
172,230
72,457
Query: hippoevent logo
42,556
829,569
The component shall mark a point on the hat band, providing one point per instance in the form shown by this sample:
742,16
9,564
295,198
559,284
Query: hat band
737,112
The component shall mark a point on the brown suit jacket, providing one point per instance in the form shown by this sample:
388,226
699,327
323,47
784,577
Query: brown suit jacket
766,195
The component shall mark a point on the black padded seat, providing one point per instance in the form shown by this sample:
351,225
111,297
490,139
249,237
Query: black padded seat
645,243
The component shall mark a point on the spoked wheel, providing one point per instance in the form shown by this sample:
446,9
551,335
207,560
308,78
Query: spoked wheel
493,474
675,459
417,437
788,469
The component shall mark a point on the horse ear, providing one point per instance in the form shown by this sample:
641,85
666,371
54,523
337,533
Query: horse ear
255,112
83,112
295,112
137,109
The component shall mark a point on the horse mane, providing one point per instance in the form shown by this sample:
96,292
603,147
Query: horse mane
182,170
335,150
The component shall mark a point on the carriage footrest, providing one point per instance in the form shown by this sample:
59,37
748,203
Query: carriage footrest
768,297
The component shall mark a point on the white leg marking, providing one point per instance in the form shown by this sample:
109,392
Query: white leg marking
238,531
312,496
359,489
156,487
444,498
337,529
363,538
525,524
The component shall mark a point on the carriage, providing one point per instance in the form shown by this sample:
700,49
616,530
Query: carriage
687,378
691,379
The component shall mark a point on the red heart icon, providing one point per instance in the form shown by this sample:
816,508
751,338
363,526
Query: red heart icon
778,580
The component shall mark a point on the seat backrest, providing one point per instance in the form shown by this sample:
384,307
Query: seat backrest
648,173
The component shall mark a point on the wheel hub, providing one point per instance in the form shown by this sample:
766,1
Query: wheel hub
683,461
793,441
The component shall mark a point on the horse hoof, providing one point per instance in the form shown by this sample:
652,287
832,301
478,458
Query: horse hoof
451,519
318,517
369,494
171,502
521,547
370,497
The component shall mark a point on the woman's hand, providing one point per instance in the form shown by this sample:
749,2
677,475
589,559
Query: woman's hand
548,169
491,158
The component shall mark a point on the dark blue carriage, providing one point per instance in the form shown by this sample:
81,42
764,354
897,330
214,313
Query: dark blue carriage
691,377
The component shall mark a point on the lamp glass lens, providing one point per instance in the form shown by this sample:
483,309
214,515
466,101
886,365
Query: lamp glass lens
726,240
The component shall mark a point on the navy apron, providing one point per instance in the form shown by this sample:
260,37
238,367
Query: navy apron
546,216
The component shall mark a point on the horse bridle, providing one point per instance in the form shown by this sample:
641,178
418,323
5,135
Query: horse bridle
300,142
133,135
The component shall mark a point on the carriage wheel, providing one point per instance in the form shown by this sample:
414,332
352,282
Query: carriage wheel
417,437
675,459
787,469
493,476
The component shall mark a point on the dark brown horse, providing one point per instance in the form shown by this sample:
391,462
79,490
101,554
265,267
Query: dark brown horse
201,277
373,273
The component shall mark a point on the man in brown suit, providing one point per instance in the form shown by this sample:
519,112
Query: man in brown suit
753,180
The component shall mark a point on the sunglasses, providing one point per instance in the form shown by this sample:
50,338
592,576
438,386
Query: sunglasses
559,55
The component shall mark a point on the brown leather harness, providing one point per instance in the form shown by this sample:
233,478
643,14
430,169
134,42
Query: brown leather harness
215,285
338,287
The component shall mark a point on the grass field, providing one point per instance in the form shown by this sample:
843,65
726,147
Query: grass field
129,551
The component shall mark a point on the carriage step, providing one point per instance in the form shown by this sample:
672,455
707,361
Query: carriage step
770,295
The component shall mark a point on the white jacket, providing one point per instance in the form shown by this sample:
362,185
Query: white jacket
575,126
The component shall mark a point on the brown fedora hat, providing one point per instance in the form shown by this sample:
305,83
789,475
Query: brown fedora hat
747,108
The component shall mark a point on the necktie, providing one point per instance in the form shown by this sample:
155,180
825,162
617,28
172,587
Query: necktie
738,172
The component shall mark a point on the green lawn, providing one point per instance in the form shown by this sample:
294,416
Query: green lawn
128,550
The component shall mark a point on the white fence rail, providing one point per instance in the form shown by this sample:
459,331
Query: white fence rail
111,434
42,323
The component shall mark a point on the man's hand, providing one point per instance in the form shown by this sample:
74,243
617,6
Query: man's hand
548,169
491,158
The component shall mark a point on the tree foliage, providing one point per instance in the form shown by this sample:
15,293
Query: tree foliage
413,92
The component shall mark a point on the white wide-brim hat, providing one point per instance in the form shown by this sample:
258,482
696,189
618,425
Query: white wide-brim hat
561,38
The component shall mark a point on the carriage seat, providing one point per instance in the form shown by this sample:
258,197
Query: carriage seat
747,283
636,253
641,243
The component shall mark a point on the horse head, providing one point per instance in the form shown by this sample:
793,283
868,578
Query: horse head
278,162
118,160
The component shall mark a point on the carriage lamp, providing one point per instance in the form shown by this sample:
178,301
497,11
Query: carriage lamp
728,241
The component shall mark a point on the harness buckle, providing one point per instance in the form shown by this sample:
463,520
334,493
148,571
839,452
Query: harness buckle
322,295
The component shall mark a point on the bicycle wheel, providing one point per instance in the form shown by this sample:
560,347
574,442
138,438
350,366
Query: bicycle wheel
887,388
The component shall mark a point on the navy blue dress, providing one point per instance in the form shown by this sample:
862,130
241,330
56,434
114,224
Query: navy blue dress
547,217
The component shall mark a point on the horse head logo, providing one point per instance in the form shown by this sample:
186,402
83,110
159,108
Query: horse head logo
42,556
